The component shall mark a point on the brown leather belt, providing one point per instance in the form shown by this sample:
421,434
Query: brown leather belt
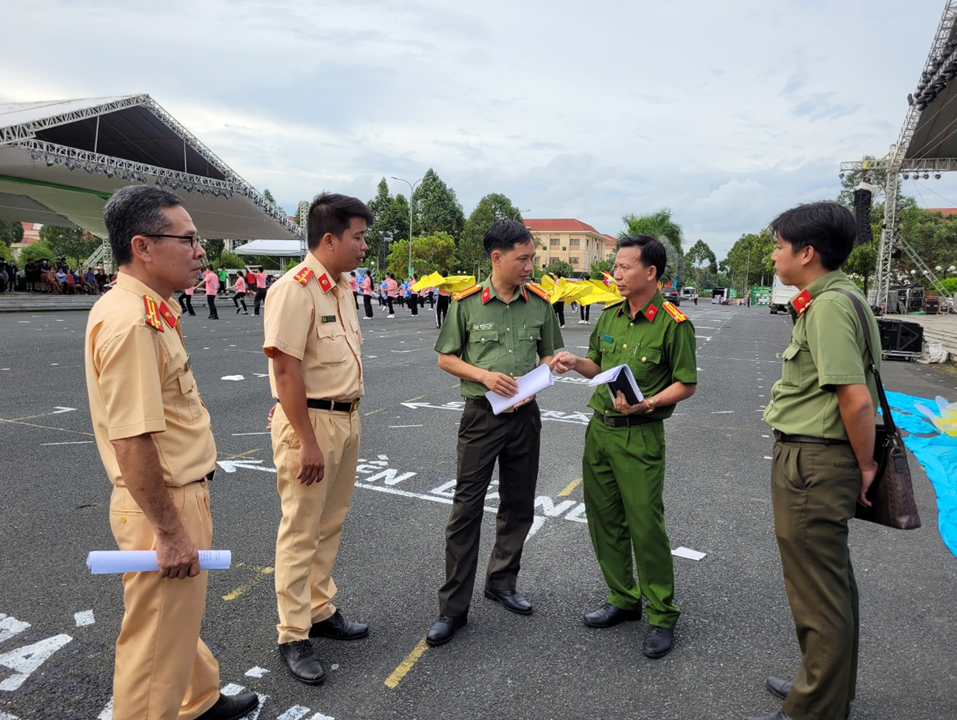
784,437
333,405
624,421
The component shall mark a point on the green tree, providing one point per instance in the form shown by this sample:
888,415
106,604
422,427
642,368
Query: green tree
391,222
599,267
74,244
749,261
470,251
658,224
11,232
213,248
229,261
436,208
559,267
35,251
433,253
4,251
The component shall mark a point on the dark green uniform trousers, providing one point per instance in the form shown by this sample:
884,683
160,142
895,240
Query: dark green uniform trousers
623,476
513,439
814,489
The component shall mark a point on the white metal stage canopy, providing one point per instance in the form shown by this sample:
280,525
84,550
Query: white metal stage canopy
61,160
271,248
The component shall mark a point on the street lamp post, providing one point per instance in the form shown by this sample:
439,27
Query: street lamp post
519,212
412,187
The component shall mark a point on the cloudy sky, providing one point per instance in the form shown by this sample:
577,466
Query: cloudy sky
725,112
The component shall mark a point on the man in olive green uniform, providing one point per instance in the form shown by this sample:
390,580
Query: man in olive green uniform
623,467
822,411
494,333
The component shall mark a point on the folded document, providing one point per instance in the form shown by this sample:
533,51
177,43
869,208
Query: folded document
102,562
528,385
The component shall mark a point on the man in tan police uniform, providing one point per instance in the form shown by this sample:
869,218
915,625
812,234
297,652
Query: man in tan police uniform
313,343
154,438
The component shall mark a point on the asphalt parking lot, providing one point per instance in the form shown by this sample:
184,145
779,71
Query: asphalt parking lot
58,623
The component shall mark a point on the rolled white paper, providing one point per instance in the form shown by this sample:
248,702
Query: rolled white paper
102,562
528,384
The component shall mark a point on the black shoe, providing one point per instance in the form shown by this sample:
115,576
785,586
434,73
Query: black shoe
444,628
231,707
511,600
779,686
338,628
658,642
608,616
302,662
779,715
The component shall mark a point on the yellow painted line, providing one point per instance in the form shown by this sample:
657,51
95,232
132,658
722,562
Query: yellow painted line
262,574
373,412
415,398
400,672
568,488
242,454
45,427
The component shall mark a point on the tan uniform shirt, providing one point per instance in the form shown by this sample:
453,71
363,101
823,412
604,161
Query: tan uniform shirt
311,316
139,381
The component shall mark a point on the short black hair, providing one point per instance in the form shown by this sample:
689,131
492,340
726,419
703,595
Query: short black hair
332,213
827,227
136,210
504,235
653,253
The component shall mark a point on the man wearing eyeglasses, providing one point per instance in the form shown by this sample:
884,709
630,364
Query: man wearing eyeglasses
154,438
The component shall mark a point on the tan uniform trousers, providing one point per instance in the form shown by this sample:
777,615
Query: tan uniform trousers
312,517
163,670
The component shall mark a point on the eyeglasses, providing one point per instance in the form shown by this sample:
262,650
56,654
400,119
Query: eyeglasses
191,240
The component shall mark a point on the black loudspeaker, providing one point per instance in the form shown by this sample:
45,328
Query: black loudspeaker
862,216
901,336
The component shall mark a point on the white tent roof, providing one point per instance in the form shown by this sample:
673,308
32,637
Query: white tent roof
273,248
60,161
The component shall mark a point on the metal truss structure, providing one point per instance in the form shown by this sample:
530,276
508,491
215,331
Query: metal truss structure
940,68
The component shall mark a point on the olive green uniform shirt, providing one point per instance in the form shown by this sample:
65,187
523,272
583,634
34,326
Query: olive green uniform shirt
827,349
659,349
497,336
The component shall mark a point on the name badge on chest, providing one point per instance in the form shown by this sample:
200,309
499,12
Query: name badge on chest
328,319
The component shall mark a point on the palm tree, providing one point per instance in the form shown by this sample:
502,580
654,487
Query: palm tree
657,224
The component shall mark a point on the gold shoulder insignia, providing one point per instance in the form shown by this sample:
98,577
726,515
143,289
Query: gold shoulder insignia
304,276
540,291
151,313
465,293
673,311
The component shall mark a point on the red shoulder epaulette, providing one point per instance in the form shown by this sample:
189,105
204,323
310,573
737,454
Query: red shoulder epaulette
304,276
800,302
540,291
673,311
151,313
465,293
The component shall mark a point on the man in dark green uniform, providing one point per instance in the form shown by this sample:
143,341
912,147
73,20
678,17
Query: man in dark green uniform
822,411
494,333
623,467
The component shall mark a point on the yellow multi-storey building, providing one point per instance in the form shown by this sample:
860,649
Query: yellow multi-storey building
573,241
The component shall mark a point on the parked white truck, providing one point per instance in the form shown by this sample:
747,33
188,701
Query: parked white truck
780,295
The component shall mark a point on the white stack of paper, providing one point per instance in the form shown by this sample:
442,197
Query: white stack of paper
102,562
528,385
618,378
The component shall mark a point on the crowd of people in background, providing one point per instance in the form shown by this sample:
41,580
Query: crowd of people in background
53,278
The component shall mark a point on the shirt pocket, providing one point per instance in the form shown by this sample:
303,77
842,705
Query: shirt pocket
484,346
646,366
532,332
607,346
791,374
332,347
188,403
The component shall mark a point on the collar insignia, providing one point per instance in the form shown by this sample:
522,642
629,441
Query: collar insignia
651,312
486,295
801,302
324,282
167,315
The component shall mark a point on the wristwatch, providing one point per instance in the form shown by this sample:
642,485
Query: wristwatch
651,406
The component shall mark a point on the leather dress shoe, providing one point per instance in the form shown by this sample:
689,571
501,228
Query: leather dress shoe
231,707
338,628
781,687
779,715
608,616
444,628
658,642
301,661
511,600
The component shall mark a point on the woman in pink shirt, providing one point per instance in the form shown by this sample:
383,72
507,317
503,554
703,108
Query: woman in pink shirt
239,295
212,287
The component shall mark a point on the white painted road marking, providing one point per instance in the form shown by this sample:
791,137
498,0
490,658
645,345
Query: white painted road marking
25,660
232,377
84,618
71,442
256,672
231,465
58,410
